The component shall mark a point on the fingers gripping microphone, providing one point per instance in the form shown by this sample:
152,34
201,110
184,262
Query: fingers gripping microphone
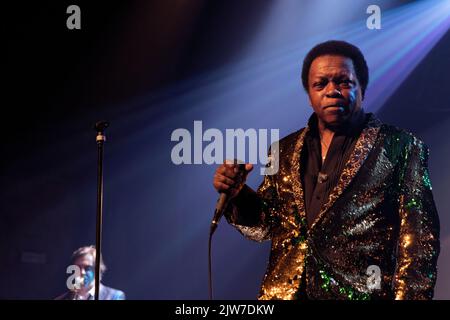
222,202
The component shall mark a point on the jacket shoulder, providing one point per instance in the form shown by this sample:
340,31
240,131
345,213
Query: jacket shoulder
113,294
398,144
291,138
401,136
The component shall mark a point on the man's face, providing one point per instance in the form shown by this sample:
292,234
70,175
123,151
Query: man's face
86,264
334,91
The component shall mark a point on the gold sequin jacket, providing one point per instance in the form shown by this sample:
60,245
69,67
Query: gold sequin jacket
377,237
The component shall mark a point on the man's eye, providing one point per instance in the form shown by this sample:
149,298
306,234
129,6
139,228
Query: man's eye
318,84
346,82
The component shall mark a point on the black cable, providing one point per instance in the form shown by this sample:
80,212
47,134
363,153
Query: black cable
210,286
212,229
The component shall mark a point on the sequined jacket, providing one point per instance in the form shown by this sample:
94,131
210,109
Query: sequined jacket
377,237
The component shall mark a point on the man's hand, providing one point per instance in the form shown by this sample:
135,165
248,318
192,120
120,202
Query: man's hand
229,179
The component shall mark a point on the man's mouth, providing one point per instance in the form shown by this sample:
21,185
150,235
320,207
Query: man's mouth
335,105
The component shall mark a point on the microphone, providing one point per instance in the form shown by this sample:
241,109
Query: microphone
101,125
222,202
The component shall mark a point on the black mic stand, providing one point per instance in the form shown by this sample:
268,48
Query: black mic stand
100,127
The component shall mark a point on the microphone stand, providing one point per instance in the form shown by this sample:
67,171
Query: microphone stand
100,127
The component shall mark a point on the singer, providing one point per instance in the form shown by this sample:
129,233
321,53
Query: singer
350,212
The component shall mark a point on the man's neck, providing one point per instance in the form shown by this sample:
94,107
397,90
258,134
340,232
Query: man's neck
325,133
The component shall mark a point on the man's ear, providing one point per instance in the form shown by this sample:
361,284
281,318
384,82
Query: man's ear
307,93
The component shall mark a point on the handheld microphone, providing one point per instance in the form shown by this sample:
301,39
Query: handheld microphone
223,201
221,206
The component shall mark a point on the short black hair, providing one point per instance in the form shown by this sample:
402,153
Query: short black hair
338,48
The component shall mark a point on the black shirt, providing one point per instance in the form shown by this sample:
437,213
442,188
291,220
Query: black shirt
319,180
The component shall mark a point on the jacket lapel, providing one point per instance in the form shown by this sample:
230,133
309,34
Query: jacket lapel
359,154
297,187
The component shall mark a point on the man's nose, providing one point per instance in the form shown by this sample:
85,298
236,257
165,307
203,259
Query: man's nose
332,90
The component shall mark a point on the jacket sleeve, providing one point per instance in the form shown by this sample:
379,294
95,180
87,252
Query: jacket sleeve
418,244
254,213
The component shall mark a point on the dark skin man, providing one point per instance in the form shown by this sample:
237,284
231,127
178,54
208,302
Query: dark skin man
335,95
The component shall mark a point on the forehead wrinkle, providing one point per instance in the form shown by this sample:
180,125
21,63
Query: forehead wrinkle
333,74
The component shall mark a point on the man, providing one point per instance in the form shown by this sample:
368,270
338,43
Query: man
84,258
350,212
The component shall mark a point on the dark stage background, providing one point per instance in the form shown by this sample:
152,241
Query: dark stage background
150,67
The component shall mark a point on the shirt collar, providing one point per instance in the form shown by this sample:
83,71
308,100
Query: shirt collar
92,291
